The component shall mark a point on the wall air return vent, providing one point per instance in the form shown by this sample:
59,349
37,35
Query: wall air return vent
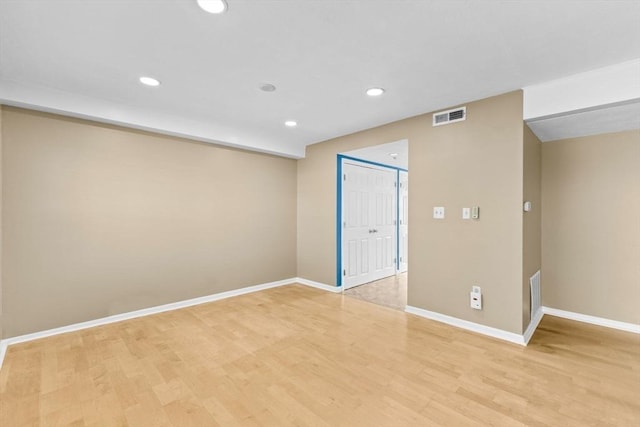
450,116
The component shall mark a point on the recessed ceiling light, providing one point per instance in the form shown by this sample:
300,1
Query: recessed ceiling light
149,81
267,87
375,91
291,123
213,6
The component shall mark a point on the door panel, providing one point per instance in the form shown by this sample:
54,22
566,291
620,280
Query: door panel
369,207
388,262
364,213
352,257
364,251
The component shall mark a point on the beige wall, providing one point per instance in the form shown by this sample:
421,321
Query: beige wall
591,225
475,162
101,220
531,231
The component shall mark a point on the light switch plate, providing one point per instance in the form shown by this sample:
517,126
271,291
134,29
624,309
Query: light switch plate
475,212
466,213
438,212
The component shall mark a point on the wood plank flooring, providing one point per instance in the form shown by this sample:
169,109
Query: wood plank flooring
298,356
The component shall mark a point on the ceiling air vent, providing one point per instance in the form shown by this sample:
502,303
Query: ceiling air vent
449,116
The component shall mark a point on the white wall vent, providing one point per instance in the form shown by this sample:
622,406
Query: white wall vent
534,282
450,116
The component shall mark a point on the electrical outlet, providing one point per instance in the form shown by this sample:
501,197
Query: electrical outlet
475,298
438,212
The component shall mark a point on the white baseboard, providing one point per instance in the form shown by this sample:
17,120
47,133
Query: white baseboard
600,321
4,344
329,288
464,324
139,313
470,326
3,351
533,325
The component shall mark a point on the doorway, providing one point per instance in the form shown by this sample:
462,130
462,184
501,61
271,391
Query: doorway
389,292
369,237
372,223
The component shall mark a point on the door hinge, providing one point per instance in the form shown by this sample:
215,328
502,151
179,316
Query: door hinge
395,184
394,260
400,259
344,272
344,177
394,222
344,224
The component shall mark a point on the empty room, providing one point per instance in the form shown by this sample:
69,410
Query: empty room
319,213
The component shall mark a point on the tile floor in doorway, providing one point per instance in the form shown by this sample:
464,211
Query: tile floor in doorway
389,292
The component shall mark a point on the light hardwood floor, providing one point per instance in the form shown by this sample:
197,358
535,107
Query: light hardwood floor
299,356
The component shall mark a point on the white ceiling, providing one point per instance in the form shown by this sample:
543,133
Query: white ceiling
609,118
84,57
382,153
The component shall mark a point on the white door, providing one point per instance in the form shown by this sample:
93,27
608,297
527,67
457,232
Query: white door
403,217
369,230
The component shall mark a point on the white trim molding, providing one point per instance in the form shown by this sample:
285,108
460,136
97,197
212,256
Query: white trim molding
470,326
3,351
464,324
600,321
4,344
318,285
533,325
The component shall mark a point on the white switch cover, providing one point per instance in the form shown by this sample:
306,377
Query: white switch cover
438,212
466,213
475,212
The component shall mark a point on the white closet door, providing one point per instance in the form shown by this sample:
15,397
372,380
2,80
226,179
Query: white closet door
368,238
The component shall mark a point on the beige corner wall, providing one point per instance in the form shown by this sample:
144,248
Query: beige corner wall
478,162
532,222
591,225
101,220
